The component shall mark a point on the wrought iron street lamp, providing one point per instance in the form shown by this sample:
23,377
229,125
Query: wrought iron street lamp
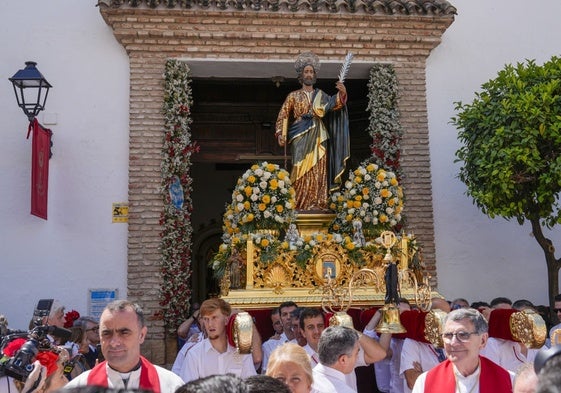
31,89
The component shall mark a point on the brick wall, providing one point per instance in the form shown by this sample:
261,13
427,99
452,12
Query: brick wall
150,36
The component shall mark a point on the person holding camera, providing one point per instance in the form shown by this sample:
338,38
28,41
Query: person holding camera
46,375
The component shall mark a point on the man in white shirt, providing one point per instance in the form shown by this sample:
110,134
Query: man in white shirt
387,374
312,326
338,350
285,310
214,355
275,340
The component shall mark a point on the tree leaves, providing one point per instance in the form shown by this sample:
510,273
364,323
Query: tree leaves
511,143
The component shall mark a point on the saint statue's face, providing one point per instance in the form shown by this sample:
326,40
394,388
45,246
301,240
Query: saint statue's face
308,76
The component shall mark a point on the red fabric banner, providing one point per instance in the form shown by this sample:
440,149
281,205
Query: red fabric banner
41,146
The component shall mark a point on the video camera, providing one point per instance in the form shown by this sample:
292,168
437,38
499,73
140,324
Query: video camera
20,365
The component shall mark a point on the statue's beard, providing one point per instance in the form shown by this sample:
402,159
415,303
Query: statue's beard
310,81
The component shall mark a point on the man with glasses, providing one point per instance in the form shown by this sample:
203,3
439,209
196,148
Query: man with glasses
557,310
465,333
91,330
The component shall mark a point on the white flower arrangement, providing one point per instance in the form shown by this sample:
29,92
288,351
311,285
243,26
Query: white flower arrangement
372,195
262,199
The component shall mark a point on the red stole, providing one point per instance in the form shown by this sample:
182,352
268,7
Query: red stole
493,378
149,379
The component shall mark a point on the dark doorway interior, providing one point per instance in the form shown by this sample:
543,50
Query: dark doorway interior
233,123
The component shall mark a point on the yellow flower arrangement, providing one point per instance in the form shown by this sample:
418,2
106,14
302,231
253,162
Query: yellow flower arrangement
372,195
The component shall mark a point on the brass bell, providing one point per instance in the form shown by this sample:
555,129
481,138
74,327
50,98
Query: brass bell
341,319
389,320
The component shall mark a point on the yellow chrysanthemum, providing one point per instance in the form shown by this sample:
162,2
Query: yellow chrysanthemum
250,217
370,167
391,202
248,191
356,204
381,176
254,167
349,217
383,218
358,179
251,179
385,193
262,207
281,175
284,245
393,181
365,191
266,199
273,184
270,167
279,208
350,246
246,205
264,242
319,237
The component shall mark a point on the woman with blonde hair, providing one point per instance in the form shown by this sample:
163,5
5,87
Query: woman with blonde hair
290,363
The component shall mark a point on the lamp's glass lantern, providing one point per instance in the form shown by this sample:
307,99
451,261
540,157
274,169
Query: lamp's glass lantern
31,89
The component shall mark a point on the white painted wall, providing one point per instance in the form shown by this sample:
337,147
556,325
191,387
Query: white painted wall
79,248
479,258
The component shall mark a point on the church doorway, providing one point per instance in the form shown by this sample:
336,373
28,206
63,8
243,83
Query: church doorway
233,123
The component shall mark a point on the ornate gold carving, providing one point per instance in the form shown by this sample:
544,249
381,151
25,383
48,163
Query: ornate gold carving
225,283
434,323
276,277
357,274
529,328
243,332
313,223
556,337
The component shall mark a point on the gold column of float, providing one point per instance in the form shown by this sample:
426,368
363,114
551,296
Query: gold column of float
404,261
249,265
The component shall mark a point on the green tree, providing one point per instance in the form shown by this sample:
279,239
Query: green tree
511,153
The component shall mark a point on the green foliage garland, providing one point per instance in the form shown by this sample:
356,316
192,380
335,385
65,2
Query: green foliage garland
384,127
175,220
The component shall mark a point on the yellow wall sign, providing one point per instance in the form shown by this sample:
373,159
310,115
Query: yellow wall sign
120,212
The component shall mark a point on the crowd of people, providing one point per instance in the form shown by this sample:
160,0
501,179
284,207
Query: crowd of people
304,355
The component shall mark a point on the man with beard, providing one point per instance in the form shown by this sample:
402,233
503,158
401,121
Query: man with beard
316,127
214,355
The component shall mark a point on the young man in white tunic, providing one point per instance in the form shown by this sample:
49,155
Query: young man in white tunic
214,355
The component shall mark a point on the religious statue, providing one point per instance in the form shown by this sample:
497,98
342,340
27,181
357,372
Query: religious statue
292,236
316,127
358,235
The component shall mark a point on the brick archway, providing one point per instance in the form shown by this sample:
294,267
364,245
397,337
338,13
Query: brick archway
402,32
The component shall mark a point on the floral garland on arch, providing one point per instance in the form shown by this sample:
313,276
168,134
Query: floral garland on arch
176,190
384,126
